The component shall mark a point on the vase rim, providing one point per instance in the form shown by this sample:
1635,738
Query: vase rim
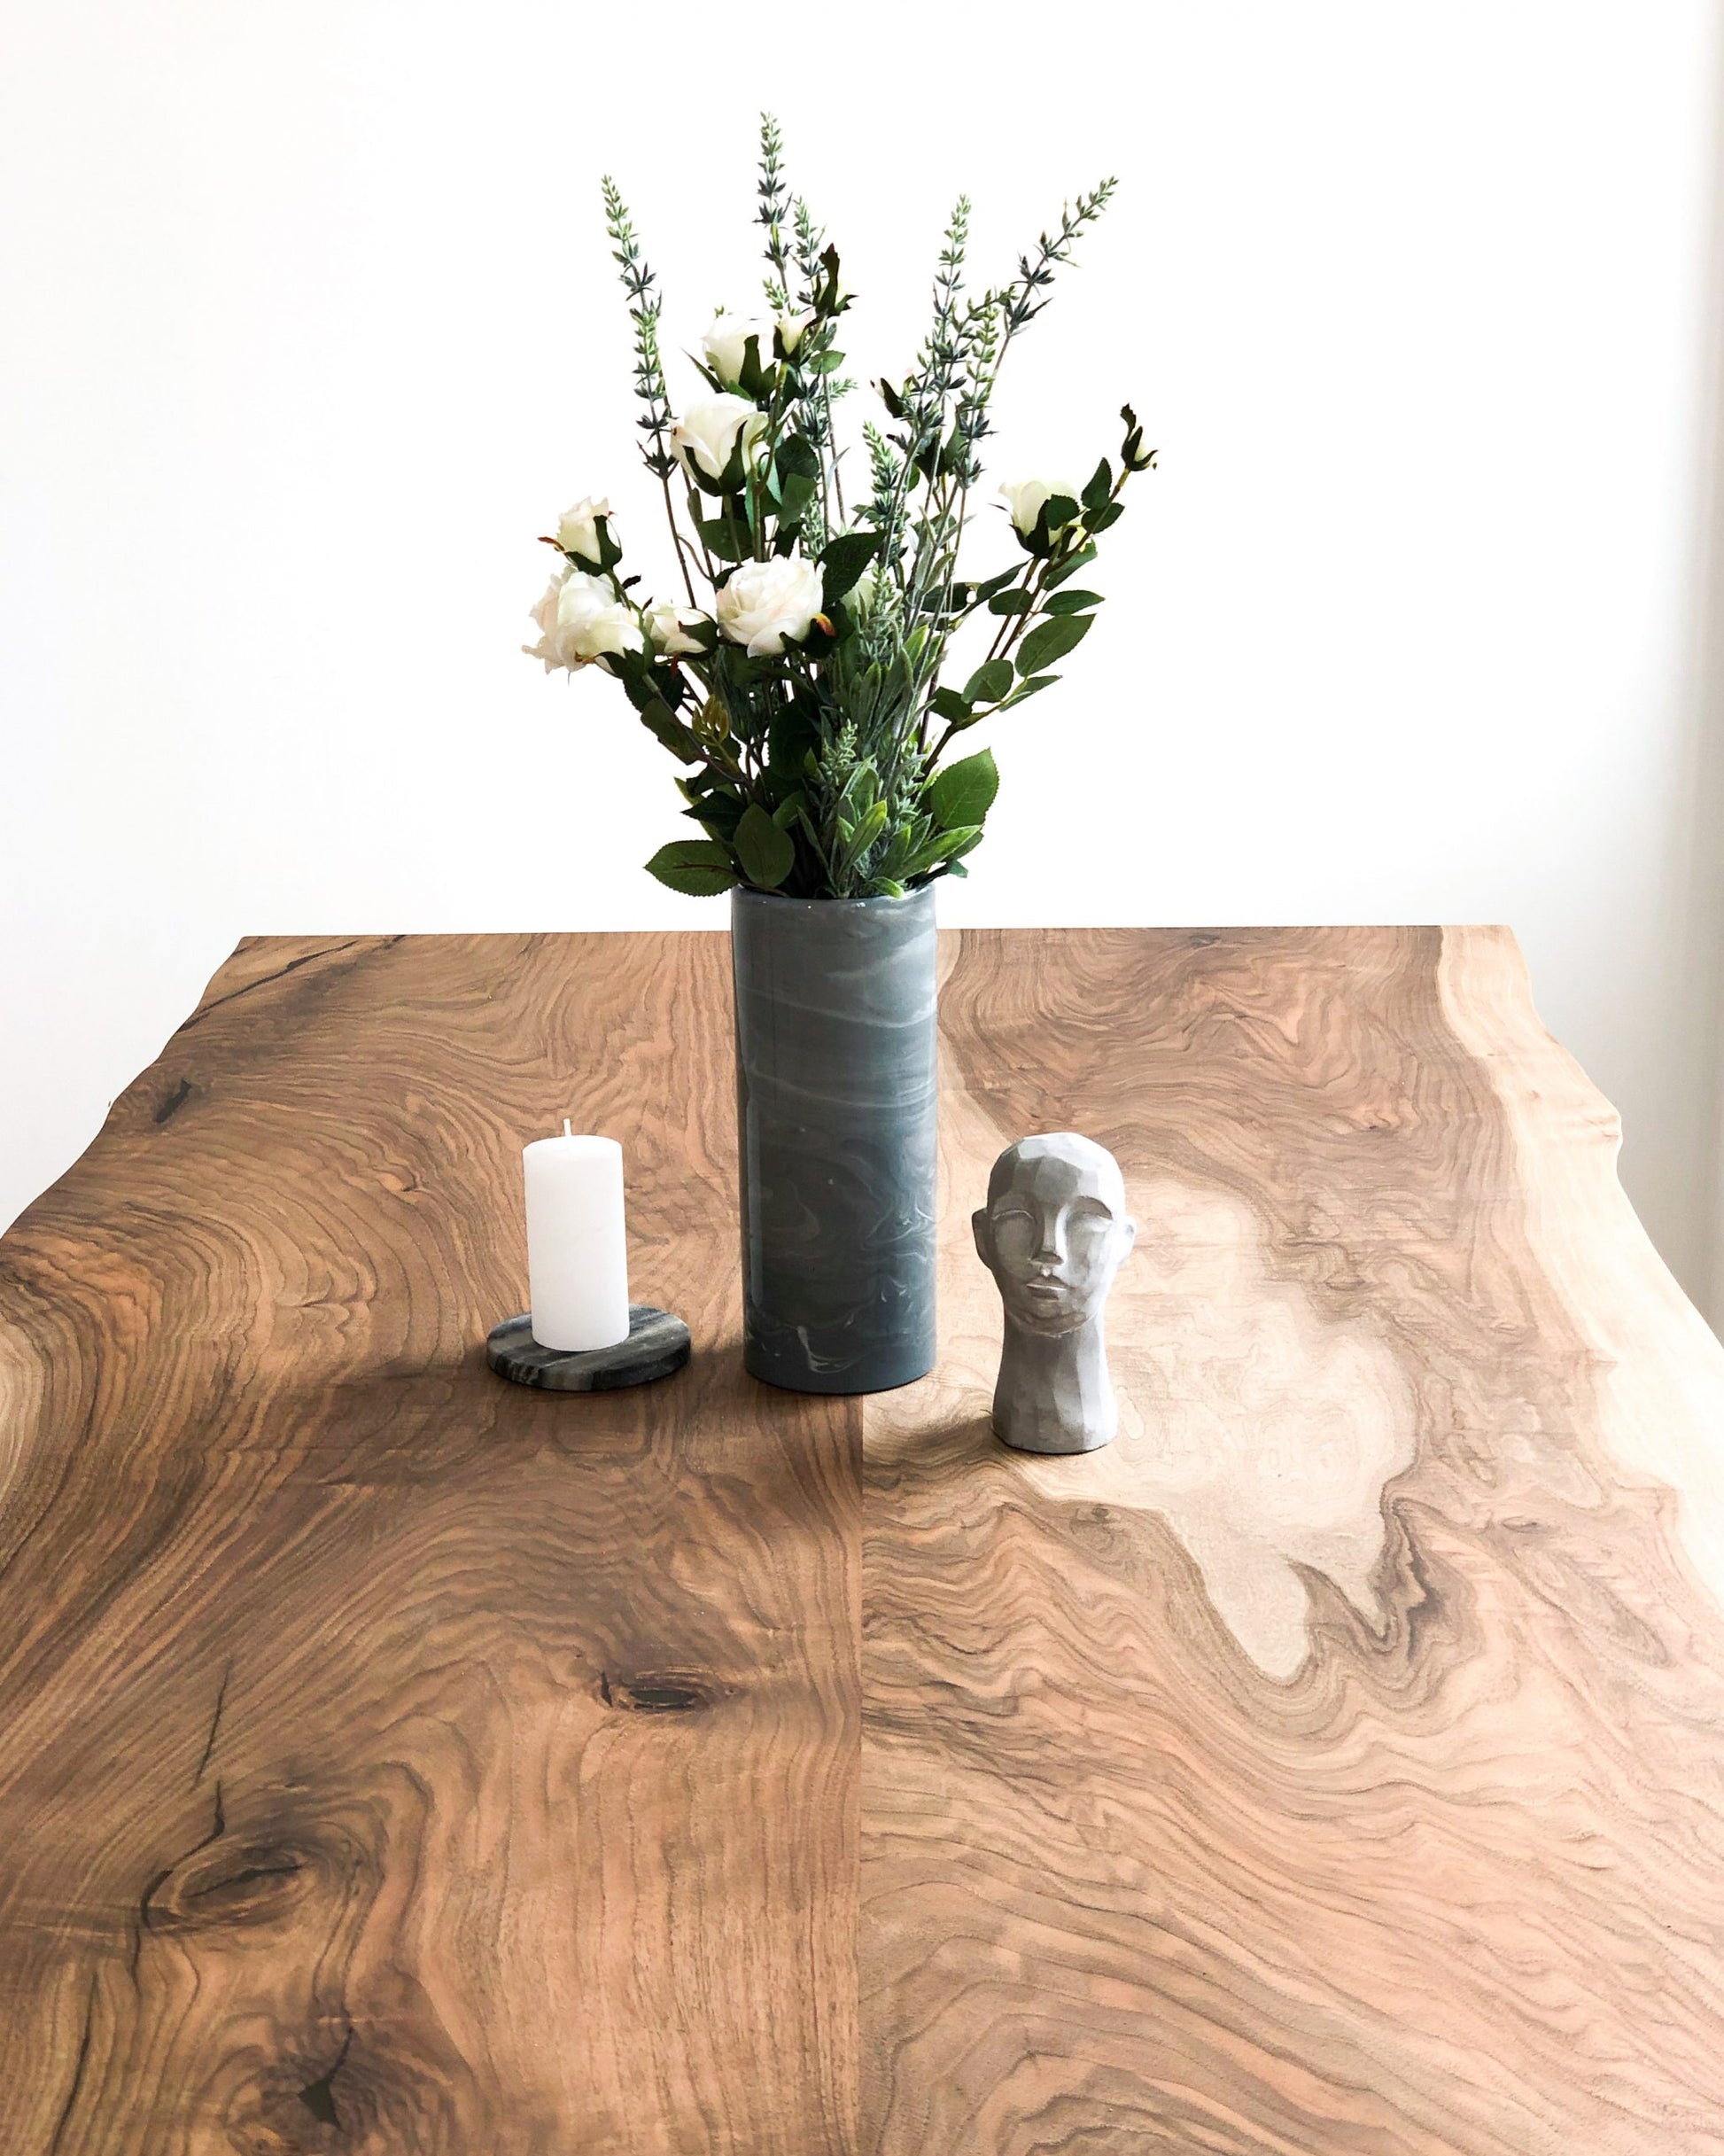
882,899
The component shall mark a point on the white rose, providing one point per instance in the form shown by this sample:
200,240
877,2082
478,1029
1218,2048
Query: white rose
765,602
581,619
666,625
726,345
578,528
791,328
1027,497
708,431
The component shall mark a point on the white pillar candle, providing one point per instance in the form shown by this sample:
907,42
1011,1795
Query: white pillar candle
576,1250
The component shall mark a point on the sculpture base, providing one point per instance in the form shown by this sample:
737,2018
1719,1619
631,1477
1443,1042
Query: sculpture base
657,1343
1059,1444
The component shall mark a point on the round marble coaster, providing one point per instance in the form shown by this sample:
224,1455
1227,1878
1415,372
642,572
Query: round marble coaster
657,1343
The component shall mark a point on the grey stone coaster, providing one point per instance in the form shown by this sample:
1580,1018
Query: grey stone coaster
657,1343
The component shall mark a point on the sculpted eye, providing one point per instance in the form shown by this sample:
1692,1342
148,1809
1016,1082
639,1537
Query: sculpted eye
1015,1232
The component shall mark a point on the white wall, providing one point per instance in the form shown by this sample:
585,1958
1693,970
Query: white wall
310,328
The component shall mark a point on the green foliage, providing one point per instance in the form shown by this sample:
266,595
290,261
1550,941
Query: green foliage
961,795
842,563
1069,567
659,719
989,682
765,852
820,768
1057,635
698,866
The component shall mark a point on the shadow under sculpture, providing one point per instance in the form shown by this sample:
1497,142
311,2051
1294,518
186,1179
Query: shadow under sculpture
1053,1234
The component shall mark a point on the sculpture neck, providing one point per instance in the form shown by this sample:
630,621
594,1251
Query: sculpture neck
1054,1394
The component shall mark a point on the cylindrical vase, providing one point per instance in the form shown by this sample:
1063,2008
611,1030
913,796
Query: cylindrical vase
837,1104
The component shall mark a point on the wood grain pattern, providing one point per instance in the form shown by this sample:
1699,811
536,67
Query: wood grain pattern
398,1760
1335,1764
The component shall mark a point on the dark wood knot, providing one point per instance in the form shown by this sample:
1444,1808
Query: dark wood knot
224,1885
175,1101
660,1691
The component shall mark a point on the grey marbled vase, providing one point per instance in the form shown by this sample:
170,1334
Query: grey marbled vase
837,1107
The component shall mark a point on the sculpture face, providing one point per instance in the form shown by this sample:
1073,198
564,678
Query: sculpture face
1054,1230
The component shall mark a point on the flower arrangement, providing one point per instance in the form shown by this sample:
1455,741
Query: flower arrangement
804,695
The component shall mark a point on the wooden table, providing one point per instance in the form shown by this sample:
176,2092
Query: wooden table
395,1760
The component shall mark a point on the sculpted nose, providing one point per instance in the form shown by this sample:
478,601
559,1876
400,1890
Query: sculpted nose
1051,1250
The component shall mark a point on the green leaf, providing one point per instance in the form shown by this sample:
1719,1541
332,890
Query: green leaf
947,703
812,835
794,734
1071,602
920,859
718,815
963,842
991,585
1028,688
794,496
698,867
633,670
756,381
868,829
1109,513
825,363
1070,566
789,809
842,563
962,794
1051,639
766,853
728,541
796,478
1014,602
989,681
797,457
1100,486
661,720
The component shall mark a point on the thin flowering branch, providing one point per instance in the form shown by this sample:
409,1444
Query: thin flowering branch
1035,269
774,203
644,308
650,386
816,285
987,334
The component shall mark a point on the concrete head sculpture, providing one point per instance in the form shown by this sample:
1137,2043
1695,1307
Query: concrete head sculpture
1053,1234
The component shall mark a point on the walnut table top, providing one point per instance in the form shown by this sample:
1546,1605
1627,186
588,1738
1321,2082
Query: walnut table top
393,1760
